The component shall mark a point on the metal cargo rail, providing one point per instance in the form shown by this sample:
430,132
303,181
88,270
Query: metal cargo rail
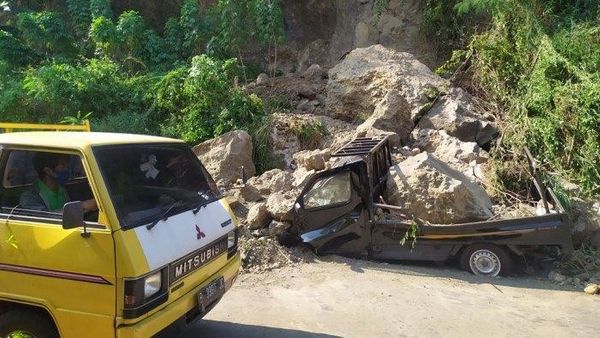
6,127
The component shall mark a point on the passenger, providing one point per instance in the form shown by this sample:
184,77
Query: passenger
48,192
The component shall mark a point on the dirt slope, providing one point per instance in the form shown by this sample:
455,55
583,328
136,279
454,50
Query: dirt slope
348,298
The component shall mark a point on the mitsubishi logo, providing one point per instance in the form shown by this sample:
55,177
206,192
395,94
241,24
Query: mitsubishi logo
199,233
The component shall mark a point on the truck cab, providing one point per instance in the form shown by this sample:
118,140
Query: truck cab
144,238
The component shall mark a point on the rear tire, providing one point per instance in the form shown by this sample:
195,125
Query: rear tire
486,260
21,323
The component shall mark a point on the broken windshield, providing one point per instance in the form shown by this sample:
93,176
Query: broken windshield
144,180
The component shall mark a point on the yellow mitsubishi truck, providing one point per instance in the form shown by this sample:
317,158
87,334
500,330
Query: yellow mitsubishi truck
108,235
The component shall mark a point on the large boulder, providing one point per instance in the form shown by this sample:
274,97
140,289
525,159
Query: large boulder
362,81
258,216
225,156
457,114
466,157
431,190
272,181
392,114
280,204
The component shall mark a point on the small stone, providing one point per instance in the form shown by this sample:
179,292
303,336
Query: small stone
277,228
592,289
312,159
314,73
305,105
262,79
556,277
250,193
307,92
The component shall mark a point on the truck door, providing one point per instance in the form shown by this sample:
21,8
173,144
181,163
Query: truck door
72,276
329,214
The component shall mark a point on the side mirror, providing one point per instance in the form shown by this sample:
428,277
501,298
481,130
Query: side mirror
73,217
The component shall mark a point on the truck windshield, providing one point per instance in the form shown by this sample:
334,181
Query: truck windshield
146,181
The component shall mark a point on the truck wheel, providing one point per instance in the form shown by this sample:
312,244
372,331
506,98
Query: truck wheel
486,260
25,324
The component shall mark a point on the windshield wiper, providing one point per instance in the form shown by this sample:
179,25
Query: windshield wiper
165,215
207,200
201,205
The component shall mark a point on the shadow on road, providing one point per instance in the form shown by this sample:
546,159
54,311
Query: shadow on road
449,270
213,328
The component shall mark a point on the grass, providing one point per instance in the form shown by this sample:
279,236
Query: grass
263,156
583,260
309,134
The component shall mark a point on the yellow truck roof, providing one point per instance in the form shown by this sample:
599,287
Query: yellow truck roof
77,140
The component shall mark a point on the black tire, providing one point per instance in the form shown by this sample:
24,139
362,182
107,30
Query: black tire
32,323
486,260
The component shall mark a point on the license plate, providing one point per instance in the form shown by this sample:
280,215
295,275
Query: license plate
210,293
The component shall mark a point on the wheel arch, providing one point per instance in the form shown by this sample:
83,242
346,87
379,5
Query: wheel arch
8,305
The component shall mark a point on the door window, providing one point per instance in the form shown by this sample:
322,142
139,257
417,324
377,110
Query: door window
329,191
39,183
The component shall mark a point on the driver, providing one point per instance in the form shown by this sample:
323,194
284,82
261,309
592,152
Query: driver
48,192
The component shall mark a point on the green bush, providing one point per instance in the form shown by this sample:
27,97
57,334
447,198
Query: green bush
56,90
125,122
100,8
81,59
13,51
46,33
204,103
540,61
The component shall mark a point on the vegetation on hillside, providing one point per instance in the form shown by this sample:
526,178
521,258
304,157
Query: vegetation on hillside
181,82
539,60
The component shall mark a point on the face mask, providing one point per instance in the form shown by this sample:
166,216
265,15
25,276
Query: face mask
62,176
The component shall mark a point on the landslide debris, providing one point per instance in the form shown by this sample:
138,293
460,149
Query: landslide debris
439,136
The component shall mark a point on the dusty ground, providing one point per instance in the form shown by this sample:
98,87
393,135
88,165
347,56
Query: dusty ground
349,298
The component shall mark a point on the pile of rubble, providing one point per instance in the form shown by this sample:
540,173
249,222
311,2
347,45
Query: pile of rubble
439,134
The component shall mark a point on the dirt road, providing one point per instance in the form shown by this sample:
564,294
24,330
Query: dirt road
349,298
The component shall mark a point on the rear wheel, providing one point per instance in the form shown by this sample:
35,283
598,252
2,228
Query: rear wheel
22,323
486,260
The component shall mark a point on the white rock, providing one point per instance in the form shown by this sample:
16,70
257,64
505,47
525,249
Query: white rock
465,157
359,83
556,277
258,216
279,205
225,156
392,114
436,193
592,289
312,159
457,114
262,79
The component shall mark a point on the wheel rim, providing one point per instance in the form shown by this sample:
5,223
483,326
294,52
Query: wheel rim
485,263
19,334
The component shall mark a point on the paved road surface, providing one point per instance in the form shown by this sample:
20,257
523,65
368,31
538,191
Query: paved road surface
348,298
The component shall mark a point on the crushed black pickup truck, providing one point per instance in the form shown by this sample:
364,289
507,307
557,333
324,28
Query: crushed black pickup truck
340,211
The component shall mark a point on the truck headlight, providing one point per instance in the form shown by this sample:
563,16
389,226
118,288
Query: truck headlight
152,284
231,239
144,293
232,243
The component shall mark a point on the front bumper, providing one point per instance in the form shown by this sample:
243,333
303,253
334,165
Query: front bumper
172,312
